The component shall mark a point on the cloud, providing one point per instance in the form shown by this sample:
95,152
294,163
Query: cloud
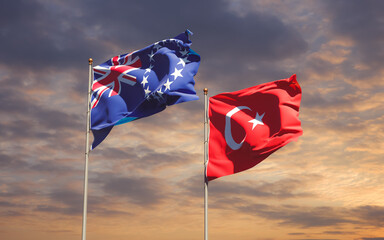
47,25
70,202
143,157
143,191
8,209
216,28
11,213
316,239
303,217
224,192
68,210
12,163
26,119
282,189
47,30
338,232
306,217
371,215
16,190
359,22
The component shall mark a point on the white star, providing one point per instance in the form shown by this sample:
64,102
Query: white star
177,73
147,91
149,69
160,93
181,62
167,85
151,56
145,81
185,52
156,47
257,120
156,97
186,60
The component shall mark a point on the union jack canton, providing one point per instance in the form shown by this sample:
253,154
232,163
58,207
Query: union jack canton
139,84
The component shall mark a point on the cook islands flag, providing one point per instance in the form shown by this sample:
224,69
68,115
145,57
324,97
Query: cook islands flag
139,84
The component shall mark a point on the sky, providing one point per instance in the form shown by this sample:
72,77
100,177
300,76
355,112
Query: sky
146,178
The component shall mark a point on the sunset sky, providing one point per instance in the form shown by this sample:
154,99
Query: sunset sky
146,178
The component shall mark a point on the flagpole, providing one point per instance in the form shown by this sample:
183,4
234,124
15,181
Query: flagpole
205,163
87,148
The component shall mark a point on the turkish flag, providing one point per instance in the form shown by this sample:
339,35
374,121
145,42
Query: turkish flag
248,125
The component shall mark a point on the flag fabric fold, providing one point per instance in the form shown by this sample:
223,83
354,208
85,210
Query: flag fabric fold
139,84
248,125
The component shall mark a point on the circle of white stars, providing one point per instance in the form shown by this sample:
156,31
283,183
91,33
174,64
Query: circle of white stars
177,72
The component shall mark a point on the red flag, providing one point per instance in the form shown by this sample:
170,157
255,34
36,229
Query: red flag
248,125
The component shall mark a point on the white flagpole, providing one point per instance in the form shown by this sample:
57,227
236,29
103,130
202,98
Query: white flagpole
205,164
87,148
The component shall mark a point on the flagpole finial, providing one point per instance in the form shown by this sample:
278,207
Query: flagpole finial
90,60
205,91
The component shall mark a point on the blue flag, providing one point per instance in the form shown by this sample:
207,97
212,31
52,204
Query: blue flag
139,84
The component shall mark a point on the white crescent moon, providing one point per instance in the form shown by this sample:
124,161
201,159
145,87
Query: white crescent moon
228,132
